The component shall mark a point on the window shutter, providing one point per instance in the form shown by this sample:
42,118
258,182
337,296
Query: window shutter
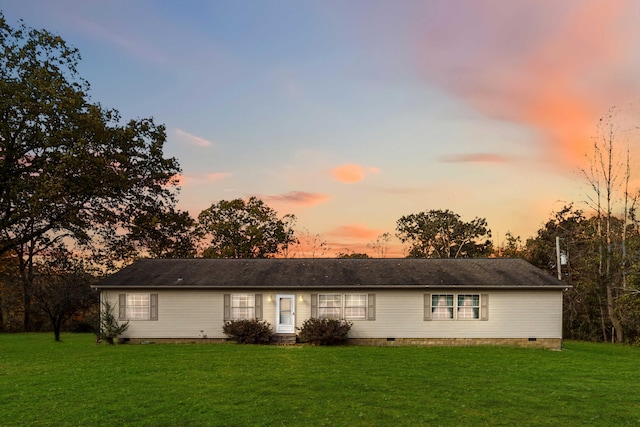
371,307
427,306
122,307
258,306
484,307
153,307
314,306
227,307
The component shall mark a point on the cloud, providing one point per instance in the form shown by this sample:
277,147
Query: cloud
217,176
351,173
474,158
355,231
187,138
555,69
297,198
135,47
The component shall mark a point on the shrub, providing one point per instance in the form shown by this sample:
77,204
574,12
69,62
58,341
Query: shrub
110,329
325,331
247,331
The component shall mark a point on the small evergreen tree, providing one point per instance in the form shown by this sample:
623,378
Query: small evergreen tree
110,329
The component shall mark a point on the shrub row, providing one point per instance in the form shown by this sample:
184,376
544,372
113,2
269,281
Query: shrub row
313,331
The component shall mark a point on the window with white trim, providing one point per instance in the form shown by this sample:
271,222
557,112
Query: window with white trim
355,306
442,306
330,306
456,307
138,306
243,306
342,306
469,306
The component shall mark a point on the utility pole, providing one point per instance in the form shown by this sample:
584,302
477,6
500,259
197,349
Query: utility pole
558,258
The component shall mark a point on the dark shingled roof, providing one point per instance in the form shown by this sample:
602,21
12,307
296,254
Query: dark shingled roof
331,273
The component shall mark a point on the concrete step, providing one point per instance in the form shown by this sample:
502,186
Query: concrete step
284,339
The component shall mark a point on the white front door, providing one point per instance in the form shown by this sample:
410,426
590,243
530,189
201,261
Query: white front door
285,311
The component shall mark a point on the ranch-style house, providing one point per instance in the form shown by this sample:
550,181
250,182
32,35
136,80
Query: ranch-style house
389,301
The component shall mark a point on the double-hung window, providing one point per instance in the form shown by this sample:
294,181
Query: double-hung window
242,306
343,306
330,306
456,307
355,306
468,306
138,306
442,307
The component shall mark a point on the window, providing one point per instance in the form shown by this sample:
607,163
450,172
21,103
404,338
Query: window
456,307
242,306
330,306
468,306
355,306
343,306
442,306
138,306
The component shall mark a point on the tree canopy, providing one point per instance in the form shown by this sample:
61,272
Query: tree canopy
71,171
68,166
244,229
442,234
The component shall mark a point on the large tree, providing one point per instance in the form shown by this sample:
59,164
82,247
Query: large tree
244,229
442,234
70,170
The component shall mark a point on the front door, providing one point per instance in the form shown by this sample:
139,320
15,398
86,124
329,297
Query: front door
285,309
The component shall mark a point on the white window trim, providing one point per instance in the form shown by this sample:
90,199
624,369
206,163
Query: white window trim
456,307
151,307
342,308
250,307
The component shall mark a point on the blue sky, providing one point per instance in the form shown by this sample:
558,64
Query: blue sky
352,114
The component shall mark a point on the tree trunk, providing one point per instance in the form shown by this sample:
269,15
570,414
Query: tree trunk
617,325
1,310
27,310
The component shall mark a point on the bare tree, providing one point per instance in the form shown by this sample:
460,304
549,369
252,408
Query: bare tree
609,176
380,245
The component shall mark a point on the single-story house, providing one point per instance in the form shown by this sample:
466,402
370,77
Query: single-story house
389,301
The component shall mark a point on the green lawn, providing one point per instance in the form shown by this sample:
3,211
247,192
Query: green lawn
79,383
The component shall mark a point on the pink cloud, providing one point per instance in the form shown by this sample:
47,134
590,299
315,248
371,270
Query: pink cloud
556,69
217,176
351,173
355,231
190,139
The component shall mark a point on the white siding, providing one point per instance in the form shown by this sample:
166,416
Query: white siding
399,314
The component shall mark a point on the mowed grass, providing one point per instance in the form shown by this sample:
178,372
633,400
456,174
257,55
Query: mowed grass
79,383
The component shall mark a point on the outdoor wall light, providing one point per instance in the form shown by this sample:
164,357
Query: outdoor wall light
301,298
270,298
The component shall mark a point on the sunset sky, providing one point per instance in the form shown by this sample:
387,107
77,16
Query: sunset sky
351,114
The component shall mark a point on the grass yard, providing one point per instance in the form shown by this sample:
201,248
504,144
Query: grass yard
79,383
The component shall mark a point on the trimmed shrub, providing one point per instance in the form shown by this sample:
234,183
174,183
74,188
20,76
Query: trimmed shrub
324,331
245,331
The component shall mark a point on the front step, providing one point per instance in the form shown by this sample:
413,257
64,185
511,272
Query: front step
284,339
